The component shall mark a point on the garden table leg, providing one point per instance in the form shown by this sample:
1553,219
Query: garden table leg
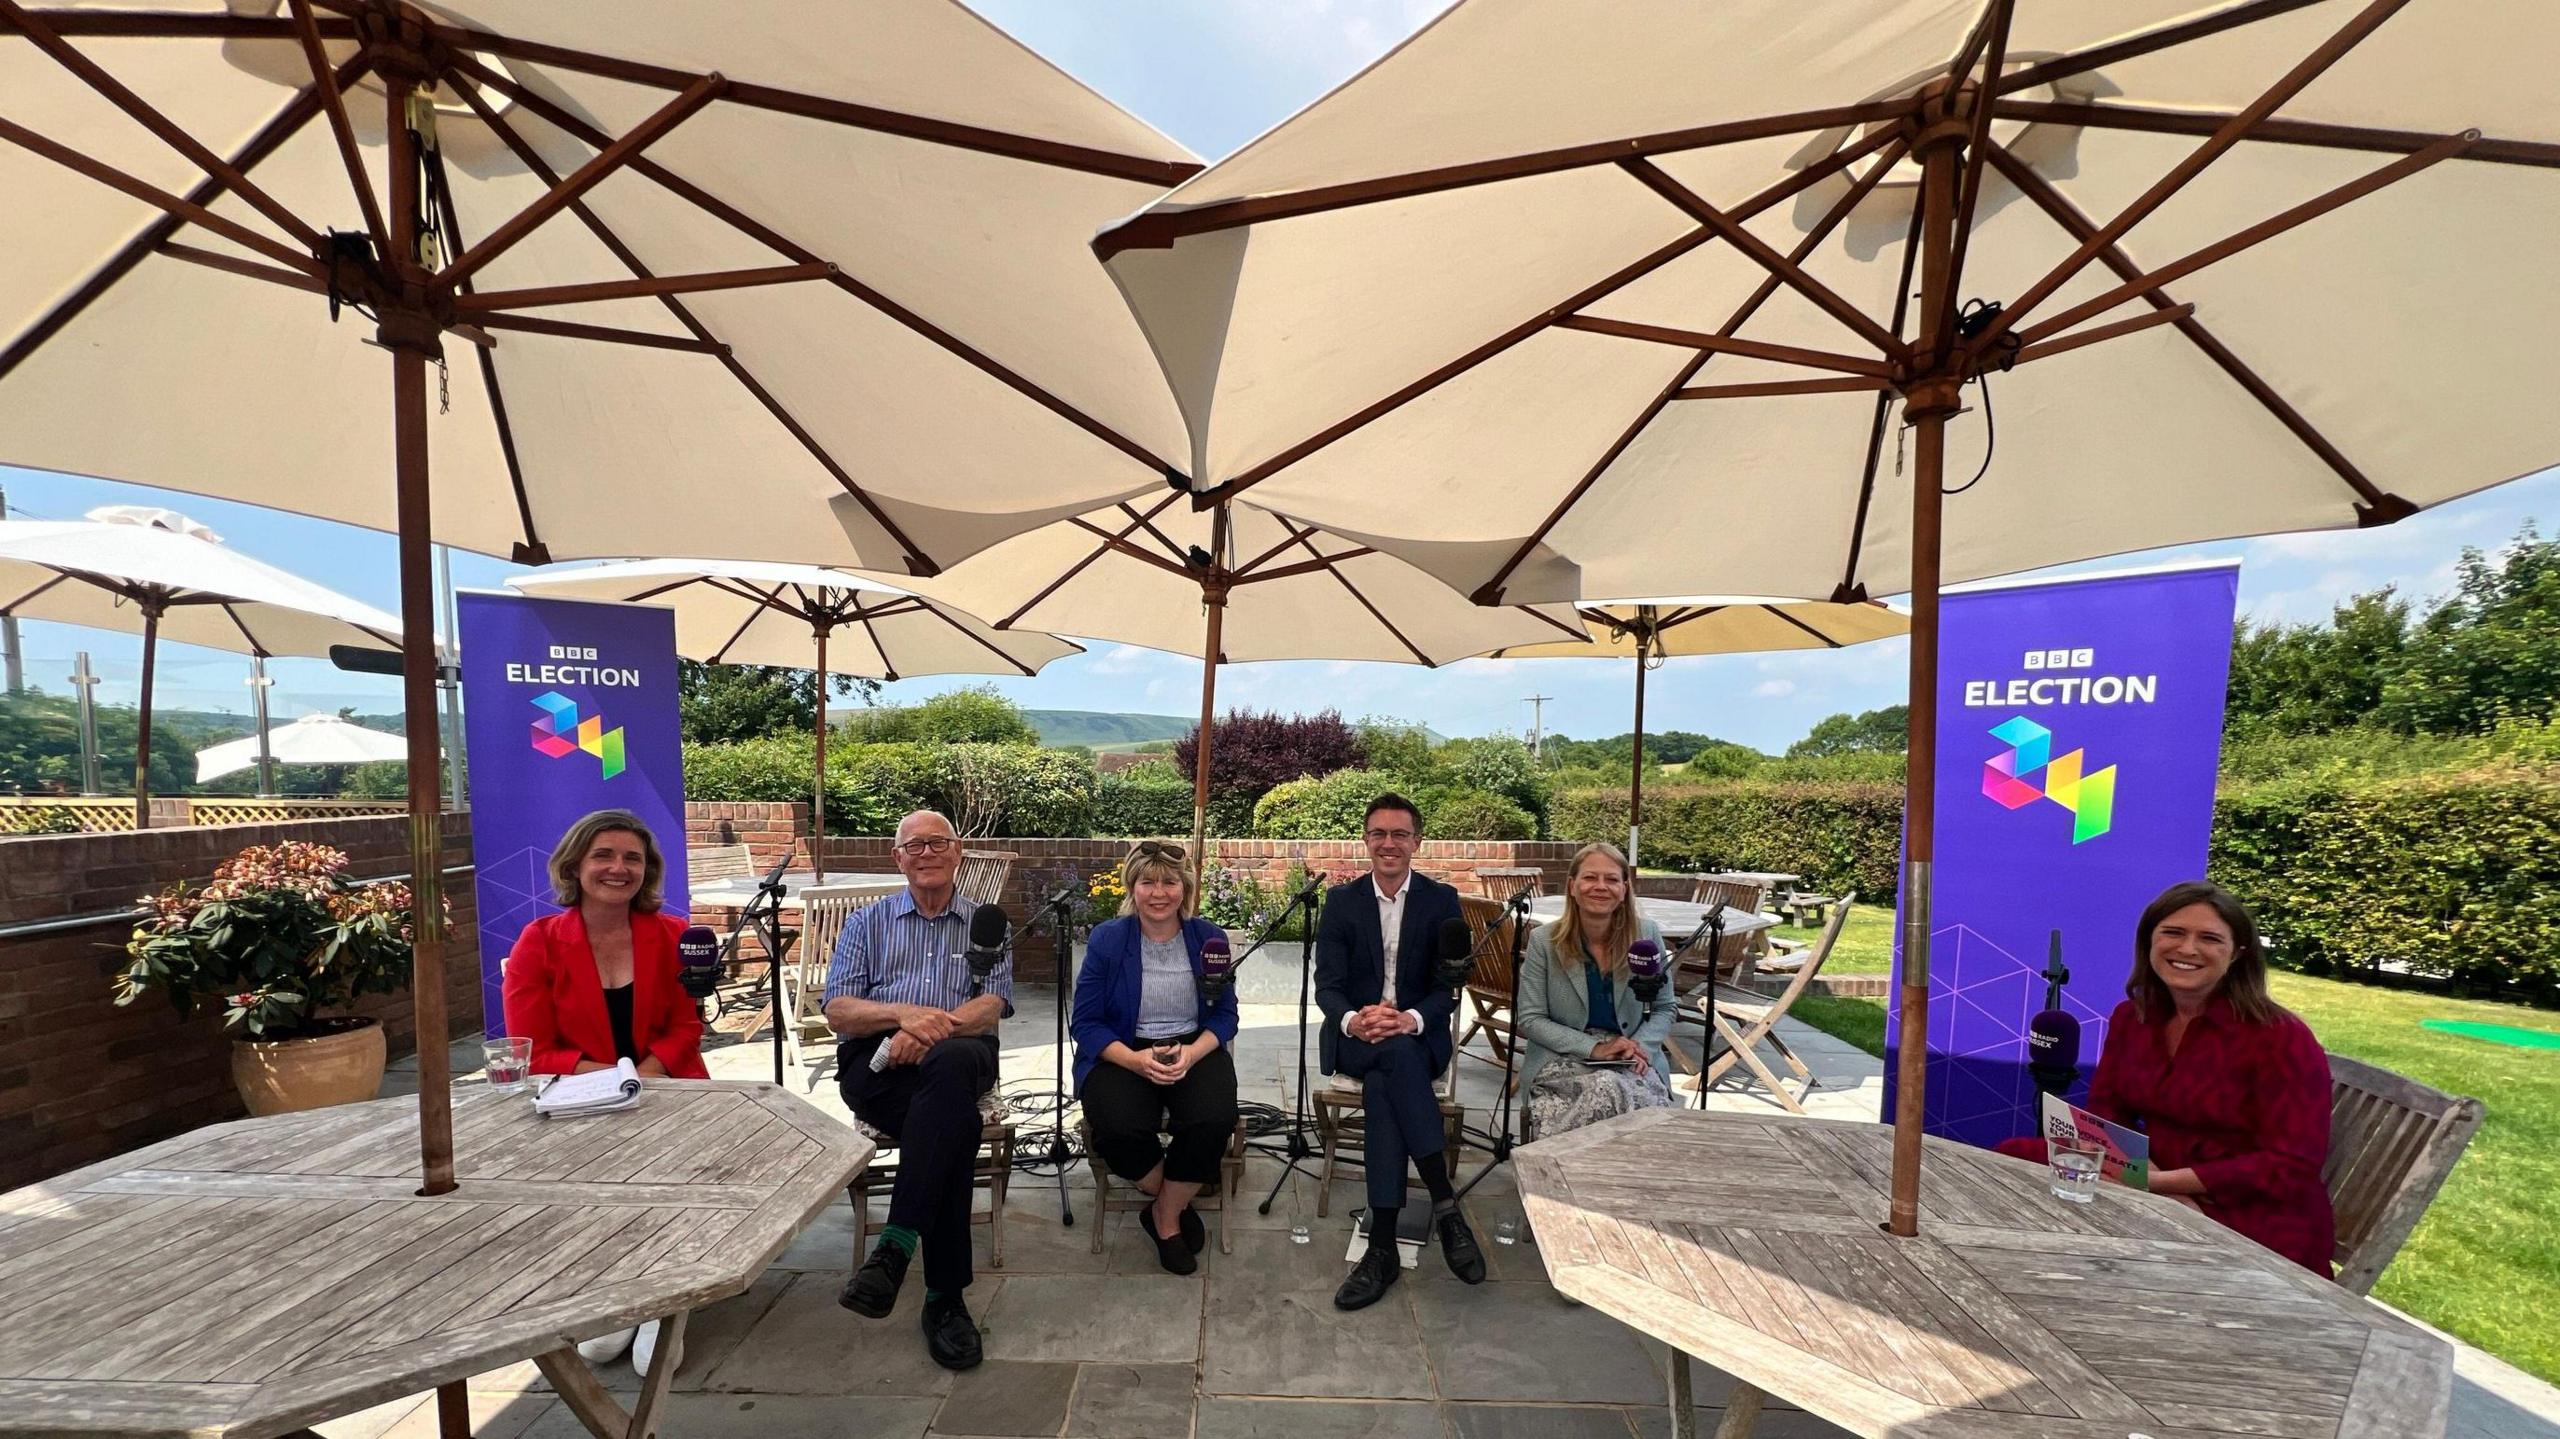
603,1415
1741,1412
1684,1407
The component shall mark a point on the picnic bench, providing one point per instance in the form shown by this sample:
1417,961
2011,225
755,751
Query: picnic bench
253,1279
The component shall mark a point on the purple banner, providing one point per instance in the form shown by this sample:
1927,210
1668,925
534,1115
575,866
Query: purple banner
569,708
2079,732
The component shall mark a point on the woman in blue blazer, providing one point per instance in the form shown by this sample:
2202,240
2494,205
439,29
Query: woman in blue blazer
1152,1054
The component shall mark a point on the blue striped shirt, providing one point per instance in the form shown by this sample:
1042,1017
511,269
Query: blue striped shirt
891,954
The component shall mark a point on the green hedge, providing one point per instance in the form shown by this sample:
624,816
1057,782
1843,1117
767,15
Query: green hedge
1332,806
1143,800
1041,793
2452,876
1838,835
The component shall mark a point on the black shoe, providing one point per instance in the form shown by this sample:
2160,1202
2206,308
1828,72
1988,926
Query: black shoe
1195,1235
1458,1242
873,1290
1370,1279
1174,1250
950,1335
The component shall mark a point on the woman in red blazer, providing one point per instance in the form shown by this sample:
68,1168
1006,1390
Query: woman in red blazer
596,983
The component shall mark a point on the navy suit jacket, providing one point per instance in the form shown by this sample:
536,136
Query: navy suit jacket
1351,960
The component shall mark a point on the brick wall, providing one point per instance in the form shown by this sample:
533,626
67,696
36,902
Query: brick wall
80,1079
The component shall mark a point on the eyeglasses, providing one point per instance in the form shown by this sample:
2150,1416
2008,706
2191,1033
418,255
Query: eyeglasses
930,844
1158,849
1396,836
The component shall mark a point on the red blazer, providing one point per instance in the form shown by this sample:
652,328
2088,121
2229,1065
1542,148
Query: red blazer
555,999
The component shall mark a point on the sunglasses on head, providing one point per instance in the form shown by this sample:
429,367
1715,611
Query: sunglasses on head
1158,849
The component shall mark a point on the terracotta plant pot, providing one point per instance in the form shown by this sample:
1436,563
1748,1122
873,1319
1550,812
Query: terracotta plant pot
343,1064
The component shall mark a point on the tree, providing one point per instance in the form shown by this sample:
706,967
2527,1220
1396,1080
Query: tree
2313,678
2489,652
716,703
973,714
1878,731
1253,752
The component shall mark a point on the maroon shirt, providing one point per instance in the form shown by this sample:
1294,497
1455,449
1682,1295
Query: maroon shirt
2244,1105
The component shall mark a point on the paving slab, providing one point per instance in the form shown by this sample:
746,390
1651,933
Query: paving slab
1133,1401
1007,1396
1522,1341
1136,1319
1536,1421
1264,1340
807,1343
1299,1419
755,1416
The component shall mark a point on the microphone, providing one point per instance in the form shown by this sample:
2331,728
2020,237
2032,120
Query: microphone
1455,956
1645,973
2053,1036
698,960
990,935
1217,969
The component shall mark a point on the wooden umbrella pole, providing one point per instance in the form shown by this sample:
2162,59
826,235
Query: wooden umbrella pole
412,336
142,720
818,786
1215,597
1635,775
1927,402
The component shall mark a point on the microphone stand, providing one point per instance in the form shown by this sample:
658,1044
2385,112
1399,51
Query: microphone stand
1501,1144
764,915
1294,1150
1060,909
1713,929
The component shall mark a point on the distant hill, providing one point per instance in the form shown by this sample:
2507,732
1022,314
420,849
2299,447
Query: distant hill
215,726
1104,730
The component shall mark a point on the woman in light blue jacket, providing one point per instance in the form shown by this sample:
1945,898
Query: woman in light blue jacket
1589,1048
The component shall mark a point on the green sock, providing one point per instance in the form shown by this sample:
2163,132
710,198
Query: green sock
932,1295
902,1237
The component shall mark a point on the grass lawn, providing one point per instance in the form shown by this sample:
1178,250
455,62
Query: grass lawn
2485,1263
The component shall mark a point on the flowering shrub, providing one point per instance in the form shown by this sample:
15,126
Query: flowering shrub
1104,893
279,934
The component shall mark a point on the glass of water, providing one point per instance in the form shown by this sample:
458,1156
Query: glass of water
1506,1231
509,1062
1299,1233
2075,1163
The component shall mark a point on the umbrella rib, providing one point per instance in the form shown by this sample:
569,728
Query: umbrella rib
532,550
247,269
603,164
755,230
279,128
1840,210
2378,506
653,591
1760,253
1827,641
573,330
11,608
2276,131
2267,229
256,647
1849,589
1147,522
149,194
142,113
1304,567
173,25
1539,323
2189,166
1977,134
1120,543
1844,385
637,288
2080,62
1160,173
888,667
720,656
2095,333
1080,566
990,646
333,103
1156,230
1374,612
1290,533
1544,618
514,140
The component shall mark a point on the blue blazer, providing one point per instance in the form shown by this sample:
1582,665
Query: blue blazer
1351,959
1106,1006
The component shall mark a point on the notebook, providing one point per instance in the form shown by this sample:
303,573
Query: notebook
598,1091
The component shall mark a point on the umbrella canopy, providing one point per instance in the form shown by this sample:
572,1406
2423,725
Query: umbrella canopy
134,567
1628,294
1272,587
1650,631
312,739
680,270
734,612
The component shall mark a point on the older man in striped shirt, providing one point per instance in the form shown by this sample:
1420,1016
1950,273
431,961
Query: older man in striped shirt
915,1051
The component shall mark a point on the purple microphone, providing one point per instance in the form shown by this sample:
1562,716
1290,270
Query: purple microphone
2053,1036
698,961
1217,969
1645,974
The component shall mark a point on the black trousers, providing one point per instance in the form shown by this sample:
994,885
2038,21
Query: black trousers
931,1109
1403,1118
1125,1111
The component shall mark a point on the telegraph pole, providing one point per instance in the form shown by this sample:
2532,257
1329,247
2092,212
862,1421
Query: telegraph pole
13,656
1537,725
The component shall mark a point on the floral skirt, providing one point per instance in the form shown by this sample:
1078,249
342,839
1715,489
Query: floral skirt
1567,1095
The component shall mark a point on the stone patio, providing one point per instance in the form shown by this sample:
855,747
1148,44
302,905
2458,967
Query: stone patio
1107,1345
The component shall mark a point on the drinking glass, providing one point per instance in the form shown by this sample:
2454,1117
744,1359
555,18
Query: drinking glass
2075,1164
1168,1052
1506,1231
509,1061
1299,1233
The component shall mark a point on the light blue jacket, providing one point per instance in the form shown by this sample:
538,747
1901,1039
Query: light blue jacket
1555,1005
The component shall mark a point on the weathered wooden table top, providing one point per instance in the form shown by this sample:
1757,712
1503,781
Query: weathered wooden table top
1752,1243
253,1278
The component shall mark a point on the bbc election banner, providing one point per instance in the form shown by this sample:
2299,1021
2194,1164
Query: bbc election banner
2079,730
569,708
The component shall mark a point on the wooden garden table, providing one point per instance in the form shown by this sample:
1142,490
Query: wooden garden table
254,1278
1753,1243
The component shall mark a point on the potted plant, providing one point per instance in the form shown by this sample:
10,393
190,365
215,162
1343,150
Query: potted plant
279,936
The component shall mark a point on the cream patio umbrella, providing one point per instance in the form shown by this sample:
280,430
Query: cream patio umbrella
1652,631
736,613
800,281
312,739
1231,584
1626,294
136,567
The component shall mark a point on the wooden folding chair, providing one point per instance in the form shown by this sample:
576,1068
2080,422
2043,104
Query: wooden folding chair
1745,1026
982,874
1487,997
997,1136
1745,895
1213,1197
717,861
1342,1113
2392,1141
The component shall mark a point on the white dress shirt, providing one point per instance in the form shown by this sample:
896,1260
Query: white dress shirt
1391,931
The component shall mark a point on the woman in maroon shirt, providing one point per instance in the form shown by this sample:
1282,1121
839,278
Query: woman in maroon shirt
2232,1089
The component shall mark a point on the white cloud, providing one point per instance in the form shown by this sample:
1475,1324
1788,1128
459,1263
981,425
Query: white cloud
1773,689
1121,660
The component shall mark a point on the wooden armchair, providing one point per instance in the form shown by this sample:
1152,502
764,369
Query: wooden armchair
2392,1141
983,872
1485,1005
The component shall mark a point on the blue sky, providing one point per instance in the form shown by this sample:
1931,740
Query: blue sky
1213,75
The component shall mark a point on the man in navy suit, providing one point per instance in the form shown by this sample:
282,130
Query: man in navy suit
1386,1024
